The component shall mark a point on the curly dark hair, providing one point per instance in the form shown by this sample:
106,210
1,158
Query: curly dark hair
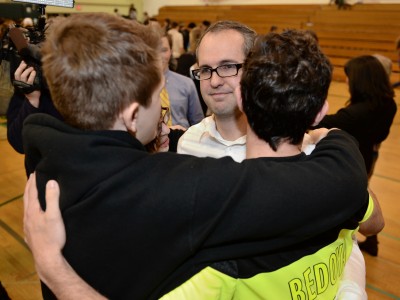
284,85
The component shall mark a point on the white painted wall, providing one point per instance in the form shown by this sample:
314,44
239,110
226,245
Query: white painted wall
152,6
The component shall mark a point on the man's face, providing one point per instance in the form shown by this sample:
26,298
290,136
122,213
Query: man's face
216,49
165,53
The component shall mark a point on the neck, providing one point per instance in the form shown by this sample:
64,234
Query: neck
257,147
231,127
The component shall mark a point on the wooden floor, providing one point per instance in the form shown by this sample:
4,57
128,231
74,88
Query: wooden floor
17,271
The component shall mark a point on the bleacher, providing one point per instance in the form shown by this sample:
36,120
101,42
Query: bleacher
343,34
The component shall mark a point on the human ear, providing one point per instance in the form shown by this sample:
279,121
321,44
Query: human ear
321,113
238,95
129,117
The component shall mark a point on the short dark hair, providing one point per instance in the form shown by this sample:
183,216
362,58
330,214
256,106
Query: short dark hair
284,85
248,33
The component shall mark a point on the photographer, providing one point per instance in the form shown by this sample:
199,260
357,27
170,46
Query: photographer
22,105
31,94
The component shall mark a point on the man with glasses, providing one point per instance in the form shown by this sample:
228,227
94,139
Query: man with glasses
220,54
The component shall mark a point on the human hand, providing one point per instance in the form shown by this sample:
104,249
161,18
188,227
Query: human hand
44,230
376,222
312,138
316,135
177,127
162,139
27,75
45,235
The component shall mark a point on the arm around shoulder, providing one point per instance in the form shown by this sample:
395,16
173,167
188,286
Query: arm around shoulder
45,235
375,223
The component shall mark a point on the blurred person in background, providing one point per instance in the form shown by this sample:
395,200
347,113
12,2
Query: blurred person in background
185,107
368,115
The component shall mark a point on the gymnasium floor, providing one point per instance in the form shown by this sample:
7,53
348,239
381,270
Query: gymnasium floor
17,271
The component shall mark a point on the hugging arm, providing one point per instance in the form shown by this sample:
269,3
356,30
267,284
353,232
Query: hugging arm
375,223
45,235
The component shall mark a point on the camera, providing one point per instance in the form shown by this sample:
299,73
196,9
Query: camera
19,44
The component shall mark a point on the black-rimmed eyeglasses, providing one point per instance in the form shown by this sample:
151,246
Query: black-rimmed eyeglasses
222,71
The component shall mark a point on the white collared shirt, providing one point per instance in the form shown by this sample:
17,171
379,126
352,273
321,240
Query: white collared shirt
203,140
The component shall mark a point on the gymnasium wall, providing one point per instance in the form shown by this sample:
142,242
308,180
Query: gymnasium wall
152,6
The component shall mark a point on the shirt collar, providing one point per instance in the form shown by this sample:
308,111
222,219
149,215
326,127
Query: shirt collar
212,132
